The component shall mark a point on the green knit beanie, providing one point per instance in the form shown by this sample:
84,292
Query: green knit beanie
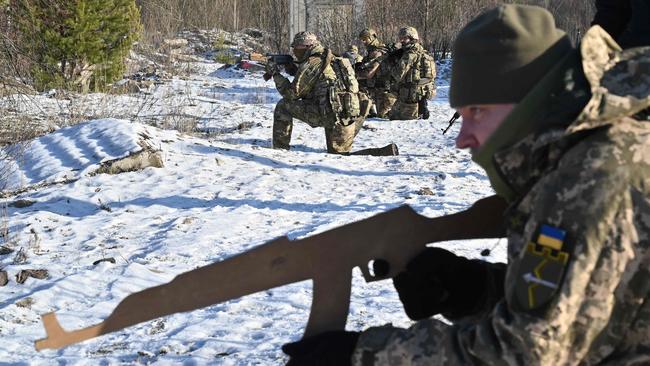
500,55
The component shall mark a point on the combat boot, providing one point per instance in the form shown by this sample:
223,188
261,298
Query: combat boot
280,146
423,109
388,150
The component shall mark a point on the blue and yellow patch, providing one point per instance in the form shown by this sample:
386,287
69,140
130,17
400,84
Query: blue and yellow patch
551,237
541,269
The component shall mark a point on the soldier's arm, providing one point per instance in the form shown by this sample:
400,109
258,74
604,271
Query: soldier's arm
283,85
595,302
403,66
370,72
303,82
306,77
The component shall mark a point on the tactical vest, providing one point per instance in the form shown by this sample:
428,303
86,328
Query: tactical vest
419,82
423,70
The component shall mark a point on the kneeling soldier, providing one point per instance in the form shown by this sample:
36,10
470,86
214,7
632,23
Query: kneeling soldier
323,93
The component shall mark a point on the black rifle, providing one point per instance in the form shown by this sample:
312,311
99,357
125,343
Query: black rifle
279,59
282,60
451,122
390,50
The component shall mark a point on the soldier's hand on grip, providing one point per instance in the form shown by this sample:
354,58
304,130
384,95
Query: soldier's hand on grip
271,69
437,281
291,68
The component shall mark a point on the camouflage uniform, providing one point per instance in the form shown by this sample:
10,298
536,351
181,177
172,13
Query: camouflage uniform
375,81
591,179
307,98
410,90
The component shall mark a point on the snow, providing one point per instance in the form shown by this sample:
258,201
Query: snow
217,195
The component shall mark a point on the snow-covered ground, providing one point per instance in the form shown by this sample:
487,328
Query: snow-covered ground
215,197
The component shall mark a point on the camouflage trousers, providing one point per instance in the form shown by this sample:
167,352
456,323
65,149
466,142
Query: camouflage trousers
402,111
338,136
382,99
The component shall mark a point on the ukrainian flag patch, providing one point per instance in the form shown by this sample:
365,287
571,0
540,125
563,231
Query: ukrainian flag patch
551,237
541,270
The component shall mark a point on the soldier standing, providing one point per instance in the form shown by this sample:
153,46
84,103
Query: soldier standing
559,134
413,78
374,77
316,97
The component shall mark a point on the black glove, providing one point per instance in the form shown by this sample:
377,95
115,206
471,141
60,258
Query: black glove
437,281
291,68
270,69
326,349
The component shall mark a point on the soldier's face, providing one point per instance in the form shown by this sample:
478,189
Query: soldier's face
366,40
299,51
479,122
404,40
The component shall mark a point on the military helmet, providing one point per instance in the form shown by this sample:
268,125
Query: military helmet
304,39
408,32
368,33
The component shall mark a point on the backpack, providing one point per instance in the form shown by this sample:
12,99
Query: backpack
344,94
427,66
424,68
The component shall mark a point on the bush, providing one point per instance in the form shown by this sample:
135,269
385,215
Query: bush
77,44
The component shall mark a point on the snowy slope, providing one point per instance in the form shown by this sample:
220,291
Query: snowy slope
215,197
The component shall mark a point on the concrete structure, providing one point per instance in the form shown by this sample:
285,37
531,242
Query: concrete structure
335,21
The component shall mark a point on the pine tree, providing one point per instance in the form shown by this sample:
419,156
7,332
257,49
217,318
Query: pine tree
77,44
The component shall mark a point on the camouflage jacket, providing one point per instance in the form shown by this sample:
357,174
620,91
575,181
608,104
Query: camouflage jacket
406,75
583,212
309,83
368,78
407,63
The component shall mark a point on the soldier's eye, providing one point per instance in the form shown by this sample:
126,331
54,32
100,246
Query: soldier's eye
476,111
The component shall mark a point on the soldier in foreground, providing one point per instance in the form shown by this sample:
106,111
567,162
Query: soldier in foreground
559,134
320,97
412,78
373,73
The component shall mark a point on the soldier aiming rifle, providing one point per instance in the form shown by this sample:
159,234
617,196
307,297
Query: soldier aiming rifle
412,78
323,93
373,72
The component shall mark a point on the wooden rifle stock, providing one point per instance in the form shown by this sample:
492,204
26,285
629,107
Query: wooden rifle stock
395,236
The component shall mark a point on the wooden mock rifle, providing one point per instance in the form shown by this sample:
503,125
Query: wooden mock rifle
391,238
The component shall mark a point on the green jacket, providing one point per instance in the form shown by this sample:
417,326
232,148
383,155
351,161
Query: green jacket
577,287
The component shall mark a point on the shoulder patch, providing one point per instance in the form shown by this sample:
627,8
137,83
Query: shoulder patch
541,270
